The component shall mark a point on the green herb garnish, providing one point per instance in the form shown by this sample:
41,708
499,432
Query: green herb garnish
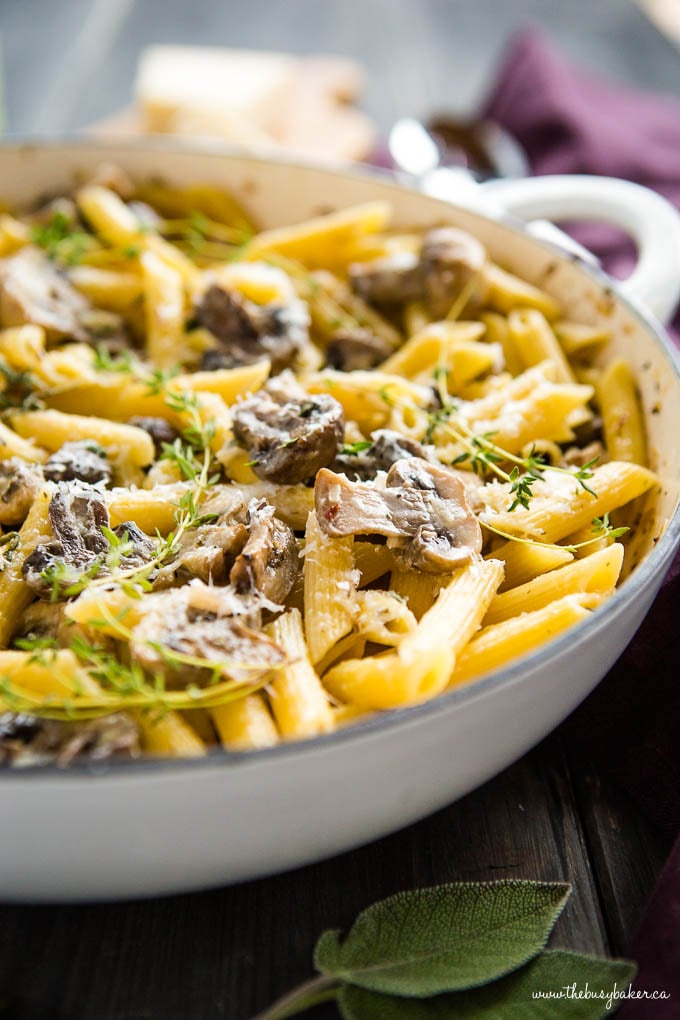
123,363
471,949
62,240
18,388
354,449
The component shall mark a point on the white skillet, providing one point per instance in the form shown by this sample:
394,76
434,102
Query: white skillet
151,827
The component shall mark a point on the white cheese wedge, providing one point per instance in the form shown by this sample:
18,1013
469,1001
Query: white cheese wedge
237,95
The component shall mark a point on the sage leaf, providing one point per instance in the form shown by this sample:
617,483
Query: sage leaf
444,938
512,997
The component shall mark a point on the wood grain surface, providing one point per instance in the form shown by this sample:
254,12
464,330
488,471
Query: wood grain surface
227,953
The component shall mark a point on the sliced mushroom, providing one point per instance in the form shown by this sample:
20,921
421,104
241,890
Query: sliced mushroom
26,740
83,461
32,290
106,328
41,619
160,430
201,622
289,436
248,332
449,260
268,564
19,485
77,515
577,456
423,506
386,448
207,552
139,548
356,349
389,280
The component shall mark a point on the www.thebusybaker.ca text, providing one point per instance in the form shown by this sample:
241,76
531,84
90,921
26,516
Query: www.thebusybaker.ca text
616,994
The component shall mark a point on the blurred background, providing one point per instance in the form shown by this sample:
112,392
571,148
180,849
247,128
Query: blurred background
69,63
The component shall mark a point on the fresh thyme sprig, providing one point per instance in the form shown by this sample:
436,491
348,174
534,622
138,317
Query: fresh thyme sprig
9,543
126,685
63,241
197,436
354,449
157,380
486,457
124,363
601,528
18,388
201,237
193,454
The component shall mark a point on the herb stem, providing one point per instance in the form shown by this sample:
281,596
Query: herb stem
311,993
600,533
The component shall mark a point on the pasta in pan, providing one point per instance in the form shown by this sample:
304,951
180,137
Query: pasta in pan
255,486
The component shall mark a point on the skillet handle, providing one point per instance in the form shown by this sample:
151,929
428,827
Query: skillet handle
651,221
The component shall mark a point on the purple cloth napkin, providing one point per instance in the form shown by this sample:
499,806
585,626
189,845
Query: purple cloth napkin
569,121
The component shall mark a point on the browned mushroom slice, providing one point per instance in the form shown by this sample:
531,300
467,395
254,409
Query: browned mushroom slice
207,552
268,563
83,461
206,623
423,506
26,740
248,332
385,449
449,260
356,349
389,280
32,290
19,485
77,515
289,439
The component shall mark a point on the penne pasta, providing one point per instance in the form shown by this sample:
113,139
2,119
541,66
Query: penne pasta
504,642
319,242
330,580
419,590
216,541
124,444
554,517
624,429
15,595
534,341
246,724
522,561
498,331
169,735
596,574
372,561
506,292
13,445
164,307
577,338
297,699
108,288
422,664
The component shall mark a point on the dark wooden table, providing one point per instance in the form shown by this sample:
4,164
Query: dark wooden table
227,953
